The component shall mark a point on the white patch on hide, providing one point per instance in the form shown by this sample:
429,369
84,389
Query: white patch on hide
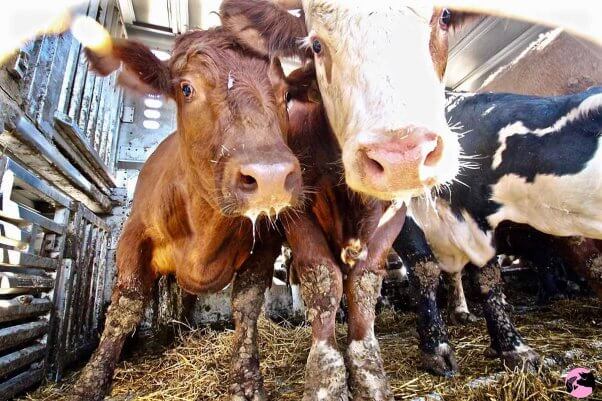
590,104
565,205
454,242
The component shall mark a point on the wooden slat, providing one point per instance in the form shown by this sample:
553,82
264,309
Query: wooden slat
21,382
21,358
17,283
13,336
9,257
22,307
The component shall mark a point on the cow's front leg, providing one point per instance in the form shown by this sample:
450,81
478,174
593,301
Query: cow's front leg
248,293
437,355
322,290
458,307
367,377
132,291
505,339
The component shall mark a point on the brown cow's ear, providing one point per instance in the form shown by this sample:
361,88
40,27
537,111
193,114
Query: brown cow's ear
265,27
142,71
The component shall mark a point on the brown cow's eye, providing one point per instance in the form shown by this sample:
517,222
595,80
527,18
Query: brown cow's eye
187,90
287,97
445,19
316,46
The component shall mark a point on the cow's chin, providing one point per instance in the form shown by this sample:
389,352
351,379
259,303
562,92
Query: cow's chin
271,212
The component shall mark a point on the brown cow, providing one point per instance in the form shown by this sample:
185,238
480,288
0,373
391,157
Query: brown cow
227,160
339,245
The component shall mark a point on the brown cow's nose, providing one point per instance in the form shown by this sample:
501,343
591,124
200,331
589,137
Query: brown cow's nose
393,163
267,187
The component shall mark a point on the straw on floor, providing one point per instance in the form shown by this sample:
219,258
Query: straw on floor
568,334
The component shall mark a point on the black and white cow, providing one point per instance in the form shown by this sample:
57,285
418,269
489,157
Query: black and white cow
530,160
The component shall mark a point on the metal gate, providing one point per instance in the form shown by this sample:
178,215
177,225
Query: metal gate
79,299
33,221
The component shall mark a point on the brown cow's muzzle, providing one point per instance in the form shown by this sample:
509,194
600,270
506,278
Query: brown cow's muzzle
265,187
393,165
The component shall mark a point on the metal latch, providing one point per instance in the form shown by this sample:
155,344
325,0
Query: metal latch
18,69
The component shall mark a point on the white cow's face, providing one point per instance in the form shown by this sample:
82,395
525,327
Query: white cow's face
380,65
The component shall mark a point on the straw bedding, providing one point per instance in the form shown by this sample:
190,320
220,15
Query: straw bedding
195,367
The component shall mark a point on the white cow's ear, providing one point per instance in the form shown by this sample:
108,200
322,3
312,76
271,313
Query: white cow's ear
265,27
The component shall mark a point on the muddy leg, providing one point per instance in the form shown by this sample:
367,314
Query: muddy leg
437,356
133,288
367,378
325,373
321,288
505,339
459,312
248,293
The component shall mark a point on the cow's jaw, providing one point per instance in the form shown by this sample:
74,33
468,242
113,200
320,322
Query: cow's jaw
380,79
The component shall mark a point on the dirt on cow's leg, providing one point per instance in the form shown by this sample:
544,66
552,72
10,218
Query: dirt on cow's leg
132,291
505,339
367,377
437,355
123,316
594,274
459,313
325,373
248,294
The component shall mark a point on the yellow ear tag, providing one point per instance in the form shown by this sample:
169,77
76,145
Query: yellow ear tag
91,35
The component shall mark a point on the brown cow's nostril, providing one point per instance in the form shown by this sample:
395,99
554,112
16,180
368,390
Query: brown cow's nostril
291,181
247,183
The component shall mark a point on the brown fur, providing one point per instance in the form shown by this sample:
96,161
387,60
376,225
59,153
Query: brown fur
185,220
334,219
265,27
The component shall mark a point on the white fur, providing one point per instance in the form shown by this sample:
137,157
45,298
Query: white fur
563,206
453,242
383,76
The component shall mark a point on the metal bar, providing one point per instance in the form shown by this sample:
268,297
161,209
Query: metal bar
18,283
9,257
23,307
22,215
21,358
37,186
14,336
21,382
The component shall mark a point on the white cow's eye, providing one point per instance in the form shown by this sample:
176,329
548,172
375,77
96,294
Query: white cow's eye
445,19
316,46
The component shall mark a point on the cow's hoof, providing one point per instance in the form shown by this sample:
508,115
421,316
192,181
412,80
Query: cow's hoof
461,318
258,395
442,362
523,358
325,374
367,378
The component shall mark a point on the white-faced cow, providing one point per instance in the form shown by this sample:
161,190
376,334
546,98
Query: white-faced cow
379,66
536,161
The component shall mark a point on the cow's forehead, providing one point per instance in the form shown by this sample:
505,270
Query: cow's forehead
330,12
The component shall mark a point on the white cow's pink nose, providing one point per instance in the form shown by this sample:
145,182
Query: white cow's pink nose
392,163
